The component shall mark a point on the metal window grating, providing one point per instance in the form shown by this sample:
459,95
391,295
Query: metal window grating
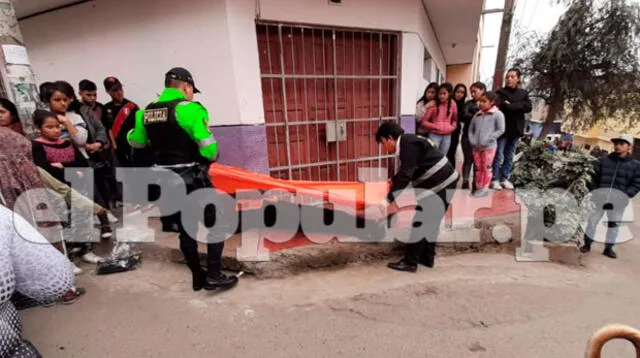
317,82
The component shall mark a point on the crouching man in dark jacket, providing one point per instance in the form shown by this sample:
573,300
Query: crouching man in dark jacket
616,171
426,168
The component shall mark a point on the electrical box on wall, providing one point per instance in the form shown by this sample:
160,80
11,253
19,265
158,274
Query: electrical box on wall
335,2
336,131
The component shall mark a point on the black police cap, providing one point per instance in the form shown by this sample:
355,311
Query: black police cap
181,74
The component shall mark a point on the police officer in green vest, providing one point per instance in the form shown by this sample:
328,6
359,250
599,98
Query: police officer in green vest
176,130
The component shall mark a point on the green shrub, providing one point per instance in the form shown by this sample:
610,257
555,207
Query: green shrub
539,168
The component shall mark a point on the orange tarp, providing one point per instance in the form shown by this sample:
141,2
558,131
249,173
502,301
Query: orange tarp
232,180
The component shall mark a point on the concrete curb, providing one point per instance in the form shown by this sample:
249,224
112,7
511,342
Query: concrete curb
336,255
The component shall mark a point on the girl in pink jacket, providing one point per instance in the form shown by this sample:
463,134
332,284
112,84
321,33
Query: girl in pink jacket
440,121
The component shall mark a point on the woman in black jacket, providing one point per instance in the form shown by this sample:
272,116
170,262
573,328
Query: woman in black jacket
514,104
459,96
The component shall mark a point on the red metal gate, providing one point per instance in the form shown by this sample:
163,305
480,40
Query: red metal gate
325,92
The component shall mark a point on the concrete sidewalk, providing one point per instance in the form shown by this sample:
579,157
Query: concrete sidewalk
490,224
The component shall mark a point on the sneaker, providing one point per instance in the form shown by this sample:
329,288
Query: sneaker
585,249
75,250
76,270
507,185
106,233
72,295
91,258
495,185
480,193
112,218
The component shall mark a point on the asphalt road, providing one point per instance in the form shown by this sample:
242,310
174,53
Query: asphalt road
477,305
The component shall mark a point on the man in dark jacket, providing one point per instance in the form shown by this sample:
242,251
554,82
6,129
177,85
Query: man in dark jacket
514,104
119,119
89,97
425,167
616,171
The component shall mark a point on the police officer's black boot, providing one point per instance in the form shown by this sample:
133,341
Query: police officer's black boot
199,278
587,245
189,248
608,252
215,278
218,280
198,275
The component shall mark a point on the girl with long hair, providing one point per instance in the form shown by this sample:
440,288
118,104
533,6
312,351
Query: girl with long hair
459,96
441,120
428,100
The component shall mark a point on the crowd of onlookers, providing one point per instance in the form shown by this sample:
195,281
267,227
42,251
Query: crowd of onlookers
488,126
491,124
73,132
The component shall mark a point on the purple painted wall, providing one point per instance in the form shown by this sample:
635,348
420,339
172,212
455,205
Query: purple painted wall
243,147
246,146
408,123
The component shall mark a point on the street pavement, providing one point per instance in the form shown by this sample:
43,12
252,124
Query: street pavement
474,305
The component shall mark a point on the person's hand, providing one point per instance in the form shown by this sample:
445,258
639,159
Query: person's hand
372,212
430,104
63,119
57,165
102,211
381,211
382,206
392,208
94,147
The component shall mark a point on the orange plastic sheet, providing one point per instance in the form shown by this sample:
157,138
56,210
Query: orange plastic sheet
347,194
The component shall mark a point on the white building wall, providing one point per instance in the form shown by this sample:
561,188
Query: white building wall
138,41
246,62
413,69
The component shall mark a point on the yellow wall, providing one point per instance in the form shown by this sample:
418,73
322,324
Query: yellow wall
580,141
460,74
607,129
601,133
